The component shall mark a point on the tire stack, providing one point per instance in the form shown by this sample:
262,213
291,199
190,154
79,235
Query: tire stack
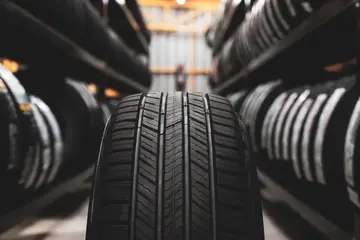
80,22
237,99
306,138
267,23
44,139
255,107
351,160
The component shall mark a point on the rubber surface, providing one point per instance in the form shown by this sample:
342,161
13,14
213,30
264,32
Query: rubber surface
237,99
83,128
43,144
106,112
28,152
267,23
331,133
81,123
175,166
57,145
10,165
79,21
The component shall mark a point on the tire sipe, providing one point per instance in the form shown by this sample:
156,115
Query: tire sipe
175,166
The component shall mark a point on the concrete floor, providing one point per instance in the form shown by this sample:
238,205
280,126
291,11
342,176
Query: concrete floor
285,218
73,227
66,219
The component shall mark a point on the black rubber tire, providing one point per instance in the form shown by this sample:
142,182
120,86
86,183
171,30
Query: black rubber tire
236,99
28,152
330,164
319,95
56,141
135,9
79,21
44,145
9,139
81,123
175,166
10,142
106,112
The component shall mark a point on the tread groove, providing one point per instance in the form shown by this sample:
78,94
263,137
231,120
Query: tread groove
186,169
160,163
135,170
173,169
211,166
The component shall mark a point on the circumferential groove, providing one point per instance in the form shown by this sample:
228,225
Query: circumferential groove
135,169
160,183
211,167
186,169
97,171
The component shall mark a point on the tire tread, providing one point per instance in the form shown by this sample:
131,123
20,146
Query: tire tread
174,168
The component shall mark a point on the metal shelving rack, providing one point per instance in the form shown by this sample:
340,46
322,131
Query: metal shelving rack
134,7
245,78
307,213
321,17
56,52
229,24
116,15
76,61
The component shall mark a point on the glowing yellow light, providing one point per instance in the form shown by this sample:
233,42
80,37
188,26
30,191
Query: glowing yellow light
11,65
25,107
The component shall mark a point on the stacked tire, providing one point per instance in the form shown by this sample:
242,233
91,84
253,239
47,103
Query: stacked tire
46,138
81,23
306,138
32,143
300,125
266,24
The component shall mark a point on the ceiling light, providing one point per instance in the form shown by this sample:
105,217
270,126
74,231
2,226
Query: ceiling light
236,2
181,2
121,2
247,3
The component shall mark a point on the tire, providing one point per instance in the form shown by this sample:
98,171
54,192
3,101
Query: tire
56,142
81,122
263,103
236,99
106,112
319,95
28,158
289,131
175,166
351,156
334,120
9,124
10,142
44,146
81,23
